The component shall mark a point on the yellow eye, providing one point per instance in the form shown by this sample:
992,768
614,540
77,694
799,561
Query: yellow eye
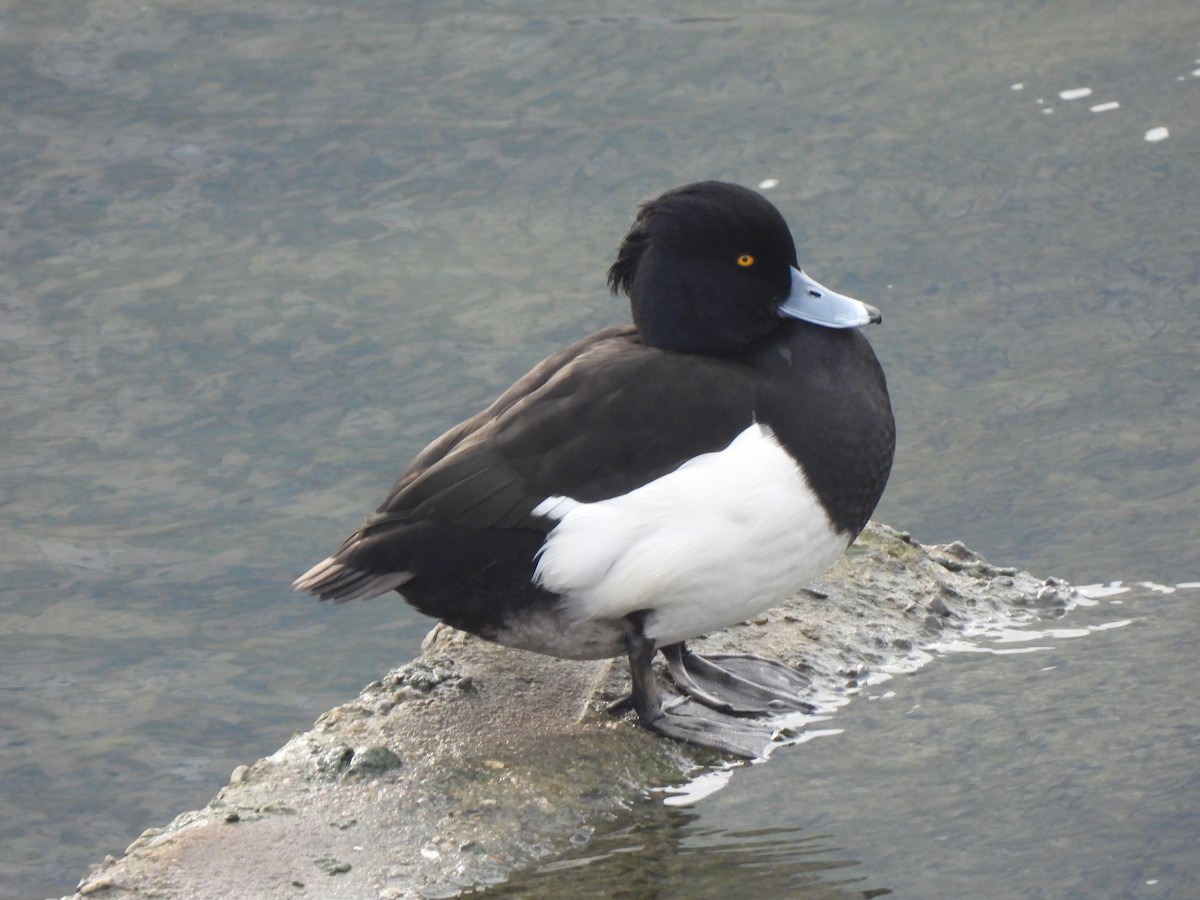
745,260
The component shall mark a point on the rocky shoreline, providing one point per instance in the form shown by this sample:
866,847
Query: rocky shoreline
474,761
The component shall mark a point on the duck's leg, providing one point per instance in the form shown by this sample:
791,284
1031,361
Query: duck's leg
737,685
686,721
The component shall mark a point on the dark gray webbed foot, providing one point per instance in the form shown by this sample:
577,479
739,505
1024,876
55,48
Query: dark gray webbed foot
690,719
694,723
737,685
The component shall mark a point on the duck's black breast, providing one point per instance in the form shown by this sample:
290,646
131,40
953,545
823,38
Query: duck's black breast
824,395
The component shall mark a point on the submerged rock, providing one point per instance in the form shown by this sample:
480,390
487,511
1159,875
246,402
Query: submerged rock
474,760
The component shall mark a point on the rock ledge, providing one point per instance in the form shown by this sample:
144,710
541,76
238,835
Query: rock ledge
474,760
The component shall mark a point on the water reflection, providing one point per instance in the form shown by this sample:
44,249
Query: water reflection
668,854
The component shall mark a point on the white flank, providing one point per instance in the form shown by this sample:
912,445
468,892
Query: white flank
722,538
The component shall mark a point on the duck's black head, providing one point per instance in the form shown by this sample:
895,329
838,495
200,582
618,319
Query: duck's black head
711,267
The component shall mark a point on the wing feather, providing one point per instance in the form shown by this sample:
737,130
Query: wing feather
596,420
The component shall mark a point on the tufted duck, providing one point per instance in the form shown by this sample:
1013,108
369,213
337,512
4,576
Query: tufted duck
656,481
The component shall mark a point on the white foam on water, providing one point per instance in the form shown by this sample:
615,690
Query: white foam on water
1154,135
1096,591
1105,107
709,781
692,792
1155,586
970,647
1075,93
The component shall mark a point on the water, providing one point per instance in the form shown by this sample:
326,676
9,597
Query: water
994,777
254,255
